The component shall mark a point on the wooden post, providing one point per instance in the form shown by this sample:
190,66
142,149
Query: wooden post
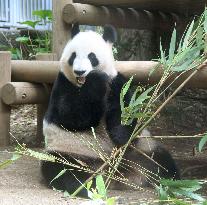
61,30
42,108
5,110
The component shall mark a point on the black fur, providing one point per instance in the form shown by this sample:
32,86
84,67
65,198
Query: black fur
93,59
77,108
82,108
71,179
110,34
119,134
72,58
75,30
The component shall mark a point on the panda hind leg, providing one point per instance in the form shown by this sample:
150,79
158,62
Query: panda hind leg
70,181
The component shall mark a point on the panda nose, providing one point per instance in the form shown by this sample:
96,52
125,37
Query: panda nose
79,73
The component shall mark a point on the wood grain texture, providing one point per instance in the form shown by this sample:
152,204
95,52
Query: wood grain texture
42,107
61,30
177,6
86,14
5,110
16,93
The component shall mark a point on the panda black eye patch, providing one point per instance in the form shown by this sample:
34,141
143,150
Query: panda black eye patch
72,58
93,59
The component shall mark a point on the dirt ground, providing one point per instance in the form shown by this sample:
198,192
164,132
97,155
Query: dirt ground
21,182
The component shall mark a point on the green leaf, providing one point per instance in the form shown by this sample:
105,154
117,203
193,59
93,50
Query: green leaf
16,156
59,175
162,53
134,96
187,57
202,143
187,35
205,20
100,185
180,183
111,201
126,86
30,23
89,184
22,39
191,195
162,193
66,194
172,46
43,14
199,36
180,202
204,203
144,96
5,163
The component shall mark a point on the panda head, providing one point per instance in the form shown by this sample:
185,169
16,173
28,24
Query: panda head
88,51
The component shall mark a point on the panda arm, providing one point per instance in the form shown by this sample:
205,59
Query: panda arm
118,133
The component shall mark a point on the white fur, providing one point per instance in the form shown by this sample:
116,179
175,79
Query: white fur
83,44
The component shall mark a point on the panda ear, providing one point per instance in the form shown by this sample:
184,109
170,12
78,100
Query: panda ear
110,34
75,30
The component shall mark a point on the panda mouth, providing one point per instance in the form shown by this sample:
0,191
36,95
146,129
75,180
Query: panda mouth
81,80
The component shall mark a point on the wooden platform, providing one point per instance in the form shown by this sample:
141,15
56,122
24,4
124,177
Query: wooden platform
178,6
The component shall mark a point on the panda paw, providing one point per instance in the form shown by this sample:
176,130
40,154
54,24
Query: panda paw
119,135
96,84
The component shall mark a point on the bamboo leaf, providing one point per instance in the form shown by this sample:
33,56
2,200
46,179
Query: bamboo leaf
187,36
172,46
126,86
205,20
199,36
134,96
100,185
59,175
202,142
111,201
162,53
144,96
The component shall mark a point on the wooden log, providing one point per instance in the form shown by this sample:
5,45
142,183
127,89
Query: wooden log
5,76
40,71
183,7
61,30
42,107
120,17
16,93
34,71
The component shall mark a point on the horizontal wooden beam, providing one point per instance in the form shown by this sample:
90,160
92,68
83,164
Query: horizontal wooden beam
34,71
178,6
24,93
86,14
46,72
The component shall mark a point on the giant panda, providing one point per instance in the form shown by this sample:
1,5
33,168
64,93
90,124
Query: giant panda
86,94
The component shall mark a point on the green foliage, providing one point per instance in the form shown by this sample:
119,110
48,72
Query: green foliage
180,190
34,41
202,143
6,163
100,192
132,111
59,175
189,52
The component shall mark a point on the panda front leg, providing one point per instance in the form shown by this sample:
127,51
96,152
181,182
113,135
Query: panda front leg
160,160
118,133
